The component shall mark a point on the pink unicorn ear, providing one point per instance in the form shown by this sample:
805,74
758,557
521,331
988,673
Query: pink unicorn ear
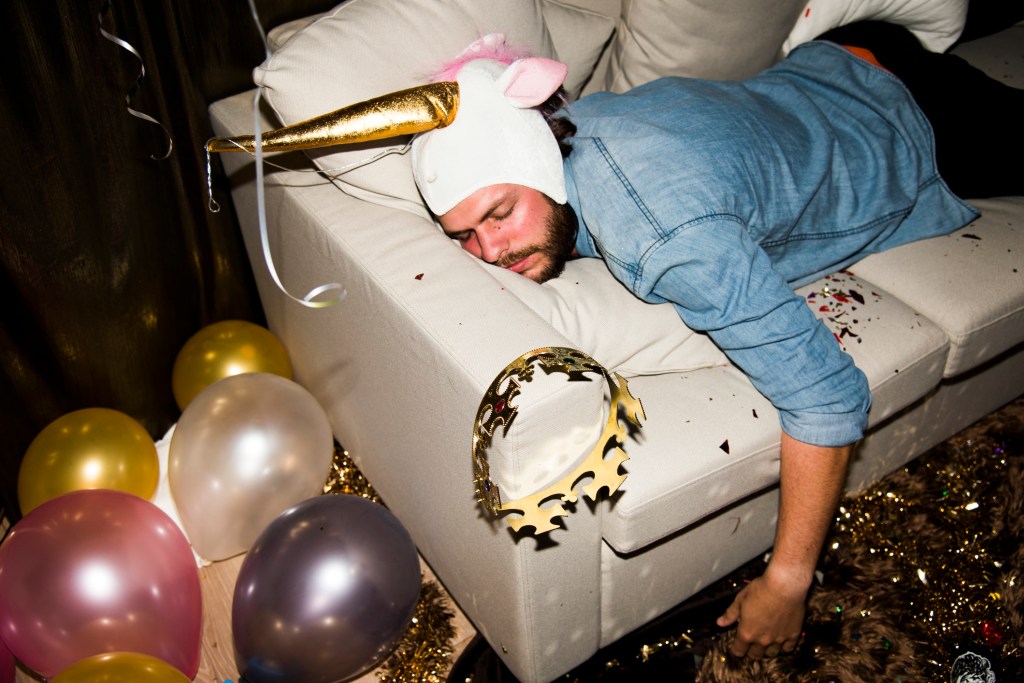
528,82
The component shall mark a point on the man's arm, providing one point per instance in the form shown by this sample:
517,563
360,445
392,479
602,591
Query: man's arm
770,610
721,282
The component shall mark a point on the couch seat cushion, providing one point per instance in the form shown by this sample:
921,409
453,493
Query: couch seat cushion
711,440
970,283
901,352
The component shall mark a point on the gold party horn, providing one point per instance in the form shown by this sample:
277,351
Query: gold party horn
405,112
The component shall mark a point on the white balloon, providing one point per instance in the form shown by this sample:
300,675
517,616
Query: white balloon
246,448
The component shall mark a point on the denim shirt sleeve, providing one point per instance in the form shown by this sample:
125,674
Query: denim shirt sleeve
723,283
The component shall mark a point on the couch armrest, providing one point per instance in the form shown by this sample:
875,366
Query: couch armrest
400,366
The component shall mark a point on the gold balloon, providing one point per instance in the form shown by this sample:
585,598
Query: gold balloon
92,448
120,667
223,349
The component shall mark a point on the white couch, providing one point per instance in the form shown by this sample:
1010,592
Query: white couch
402,363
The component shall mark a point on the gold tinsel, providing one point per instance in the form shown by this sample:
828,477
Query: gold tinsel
423,655
346,478
941,529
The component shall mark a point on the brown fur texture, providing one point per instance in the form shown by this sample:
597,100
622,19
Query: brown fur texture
912,584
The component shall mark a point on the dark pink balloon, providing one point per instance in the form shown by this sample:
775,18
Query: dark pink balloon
99,571
6,664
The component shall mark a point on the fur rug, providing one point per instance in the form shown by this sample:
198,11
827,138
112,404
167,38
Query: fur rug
922,580
923,576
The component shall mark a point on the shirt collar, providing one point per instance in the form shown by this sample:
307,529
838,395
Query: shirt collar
584,242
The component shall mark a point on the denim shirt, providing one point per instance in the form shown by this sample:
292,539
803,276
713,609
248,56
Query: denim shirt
721,197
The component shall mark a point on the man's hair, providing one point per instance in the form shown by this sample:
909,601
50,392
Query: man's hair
561,127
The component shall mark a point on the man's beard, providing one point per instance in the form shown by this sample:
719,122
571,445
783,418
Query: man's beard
558,246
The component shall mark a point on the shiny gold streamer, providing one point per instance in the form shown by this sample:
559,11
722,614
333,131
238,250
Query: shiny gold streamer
346,478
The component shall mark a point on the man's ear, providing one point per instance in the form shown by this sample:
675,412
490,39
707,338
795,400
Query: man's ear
529,82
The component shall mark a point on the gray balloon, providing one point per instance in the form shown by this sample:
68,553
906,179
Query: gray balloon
325,592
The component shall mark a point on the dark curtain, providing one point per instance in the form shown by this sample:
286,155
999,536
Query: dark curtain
109,258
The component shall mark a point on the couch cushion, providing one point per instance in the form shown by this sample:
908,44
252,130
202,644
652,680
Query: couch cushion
936,23
365,48
279,35
1000,55
604,319
710,439
969,283
901,352
580,29
720,39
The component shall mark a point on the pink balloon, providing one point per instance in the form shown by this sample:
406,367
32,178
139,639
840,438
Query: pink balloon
6,664
97,571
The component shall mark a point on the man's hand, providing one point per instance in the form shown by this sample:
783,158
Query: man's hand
770,610
769,615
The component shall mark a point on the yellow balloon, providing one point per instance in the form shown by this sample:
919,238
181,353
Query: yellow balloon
223,349
92,448
120,667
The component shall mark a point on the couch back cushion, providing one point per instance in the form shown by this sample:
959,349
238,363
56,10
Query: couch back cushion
719,39
365,48
602,318
734,39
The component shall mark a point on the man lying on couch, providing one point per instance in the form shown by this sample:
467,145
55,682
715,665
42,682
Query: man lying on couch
721,197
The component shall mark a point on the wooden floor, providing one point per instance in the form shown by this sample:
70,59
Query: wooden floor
217,663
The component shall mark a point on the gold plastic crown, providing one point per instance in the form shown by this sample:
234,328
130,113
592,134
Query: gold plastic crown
602,463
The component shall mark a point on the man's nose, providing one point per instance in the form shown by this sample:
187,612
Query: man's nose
493,244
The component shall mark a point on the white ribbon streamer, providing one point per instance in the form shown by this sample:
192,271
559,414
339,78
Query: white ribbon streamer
214,207
104,8
308,299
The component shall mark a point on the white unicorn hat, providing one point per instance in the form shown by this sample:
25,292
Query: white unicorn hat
497,136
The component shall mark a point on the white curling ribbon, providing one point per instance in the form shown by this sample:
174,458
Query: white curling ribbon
264,239
261,202
138,79
257,153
